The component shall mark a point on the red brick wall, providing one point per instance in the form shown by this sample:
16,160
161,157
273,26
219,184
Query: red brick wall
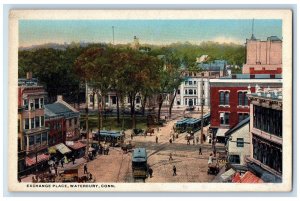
54,132
233,109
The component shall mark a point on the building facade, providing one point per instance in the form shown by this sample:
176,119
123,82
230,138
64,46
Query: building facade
266,134
33,134
263,57
238,142
229,102
65,119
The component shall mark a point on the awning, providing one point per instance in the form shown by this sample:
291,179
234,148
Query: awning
226,176
248,177
40,157
62,148
77,145
221,132
52,150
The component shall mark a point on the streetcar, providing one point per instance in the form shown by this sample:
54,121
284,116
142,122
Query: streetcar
114,138
180,126
195,124
139,164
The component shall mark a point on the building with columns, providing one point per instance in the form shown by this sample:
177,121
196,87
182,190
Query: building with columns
32,133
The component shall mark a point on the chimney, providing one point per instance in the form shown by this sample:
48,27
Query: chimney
59,97
29,75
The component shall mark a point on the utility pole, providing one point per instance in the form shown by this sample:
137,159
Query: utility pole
87,119
201,102
113,32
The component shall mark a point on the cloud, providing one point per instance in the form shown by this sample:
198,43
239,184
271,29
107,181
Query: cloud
222,39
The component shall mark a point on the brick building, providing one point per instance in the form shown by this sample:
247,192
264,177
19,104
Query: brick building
266,134
263,57
229,102
32,133
56,124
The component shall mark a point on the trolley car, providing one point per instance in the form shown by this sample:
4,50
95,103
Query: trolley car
139,164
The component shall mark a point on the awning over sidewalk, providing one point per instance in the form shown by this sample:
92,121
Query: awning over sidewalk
62,148
226,176
221,132
40,157
76,145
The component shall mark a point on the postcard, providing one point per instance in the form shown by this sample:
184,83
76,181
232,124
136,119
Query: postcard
150,100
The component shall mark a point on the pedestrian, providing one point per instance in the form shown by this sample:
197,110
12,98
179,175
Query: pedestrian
85,169
150,172
170,158
197,139
73,159
174,171
156,139
210,158
170,140
131,136
107,150
55,168
173,137
193,141
188,142
62,162
200,151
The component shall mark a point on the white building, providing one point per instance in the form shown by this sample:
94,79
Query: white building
189,92
238,143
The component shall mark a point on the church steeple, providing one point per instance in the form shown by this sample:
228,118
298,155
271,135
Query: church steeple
252,36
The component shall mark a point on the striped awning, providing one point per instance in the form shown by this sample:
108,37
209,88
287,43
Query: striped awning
62,148
39,158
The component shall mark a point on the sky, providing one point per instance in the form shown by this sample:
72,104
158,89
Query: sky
35,32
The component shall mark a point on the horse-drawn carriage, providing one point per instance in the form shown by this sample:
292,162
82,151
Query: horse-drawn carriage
127,146
213,167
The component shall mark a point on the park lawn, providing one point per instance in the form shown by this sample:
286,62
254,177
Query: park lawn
110,123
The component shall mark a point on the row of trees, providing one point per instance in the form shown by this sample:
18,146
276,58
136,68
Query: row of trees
129,73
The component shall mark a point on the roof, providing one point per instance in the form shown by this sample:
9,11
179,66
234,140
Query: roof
273,95
59,109
139,155
248,177
221,132
76,145
32,160
227,175
273,38
62,148
252,76
238,126
185,120
110,133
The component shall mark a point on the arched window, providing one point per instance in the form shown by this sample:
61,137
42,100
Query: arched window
190,91
226,98
222,98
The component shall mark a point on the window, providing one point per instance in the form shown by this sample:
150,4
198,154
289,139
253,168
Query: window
195,74
226,98
226,117
186,82
242,98
41,102
186,91
240,142
25,102
195,91
31,140
38,140
42,121
31,105
26,124
36,103
70,122
178,91
106,99
195,101
114,100
32,123
185,101
138,100
190,82
75,121
37,121
234,159
190,91
222,101
195,81
44,137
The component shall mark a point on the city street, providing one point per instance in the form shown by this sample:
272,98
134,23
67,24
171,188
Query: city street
191,167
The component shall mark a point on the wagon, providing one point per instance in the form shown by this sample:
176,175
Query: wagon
213,168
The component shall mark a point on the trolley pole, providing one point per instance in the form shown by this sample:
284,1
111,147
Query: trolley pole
87,119
202,100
